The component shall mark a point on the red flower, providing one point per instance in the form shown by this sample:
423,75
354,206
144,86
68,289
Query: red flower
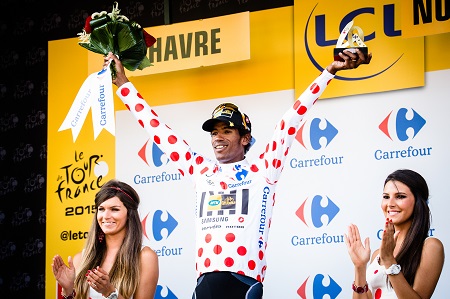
149,40
87,25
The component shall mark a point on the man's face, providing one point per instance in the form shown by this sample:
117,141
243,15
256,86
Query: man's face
227,144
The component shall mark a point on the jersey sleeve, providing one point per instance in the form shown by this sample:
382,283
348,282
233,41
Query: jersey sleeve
177,149
278,147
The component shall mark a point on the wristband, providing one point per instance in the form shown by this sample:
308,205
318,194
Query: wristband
113,295
360,290
71,296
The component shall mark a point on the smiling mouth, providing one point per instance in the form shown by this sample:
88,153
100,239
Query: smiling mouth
219,147
393,213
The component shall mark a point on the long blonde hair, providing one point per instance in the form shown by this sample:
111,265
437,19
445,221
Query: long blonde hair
125,272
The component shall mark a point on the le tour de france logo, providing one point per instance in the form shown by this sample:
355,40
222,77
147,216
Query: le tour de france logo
318,23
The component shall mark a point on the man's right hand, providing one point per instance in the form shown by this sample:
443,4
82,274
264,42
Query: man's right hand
120,77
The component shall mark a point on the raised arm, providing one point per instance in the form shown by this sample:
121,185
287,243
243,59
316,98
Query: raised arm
360,255
286,130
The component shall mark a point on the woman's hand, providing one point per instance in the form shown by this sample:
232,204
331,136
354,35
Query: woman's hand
359,253
387,246
64,275
98,279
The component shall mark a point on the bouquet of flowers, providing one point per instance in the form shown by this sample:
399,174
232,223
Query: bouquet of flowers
111,32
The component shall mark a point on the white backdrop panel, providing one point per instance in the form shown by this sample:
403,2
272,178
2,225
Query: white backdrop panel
304,244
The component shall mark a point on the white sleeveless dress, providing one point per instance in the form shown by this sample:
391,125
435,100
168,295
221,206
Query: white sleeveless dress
378,282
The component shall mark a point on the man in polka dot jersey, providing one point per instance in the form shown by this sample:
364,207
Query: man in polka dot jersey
235,197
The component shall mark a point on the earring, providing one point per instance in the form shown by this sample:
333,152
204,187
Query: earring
101,236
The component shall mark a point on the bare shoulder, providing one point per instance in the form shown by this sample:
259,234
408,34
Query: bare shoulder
148,254
433,245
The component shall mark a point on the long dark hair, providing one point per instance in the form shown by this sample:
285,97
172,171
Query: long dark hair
124,274
411,250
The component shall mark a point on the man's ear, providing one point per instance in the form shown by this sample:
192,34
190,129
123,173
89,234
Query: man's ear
246,139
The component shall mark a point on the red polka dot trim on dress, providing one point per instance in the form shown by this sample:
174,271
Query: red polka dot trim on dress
200,252
378,293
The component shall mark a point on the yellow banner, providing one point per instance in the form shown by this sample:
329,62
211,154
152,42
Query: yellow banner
397,62
195,44
425,17
75,169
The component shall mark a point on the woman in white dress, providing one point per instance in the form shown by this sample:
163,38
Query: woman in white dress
409,262
113,263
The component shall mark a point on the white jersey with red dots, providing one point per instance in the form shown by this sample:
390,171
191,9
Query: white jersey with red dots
234,201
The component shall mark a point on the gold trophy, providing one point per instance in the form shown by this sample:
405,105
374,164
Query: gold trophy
352,38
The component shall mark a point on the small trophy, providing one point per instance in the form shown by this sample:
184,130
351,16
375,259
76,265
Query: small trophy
352,38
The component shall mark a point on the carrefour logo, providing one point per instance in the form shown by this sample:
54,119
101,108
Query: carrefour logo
159,225
312,213
321,287
316,135
153,154
402,125
160,291
319,130
396,125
